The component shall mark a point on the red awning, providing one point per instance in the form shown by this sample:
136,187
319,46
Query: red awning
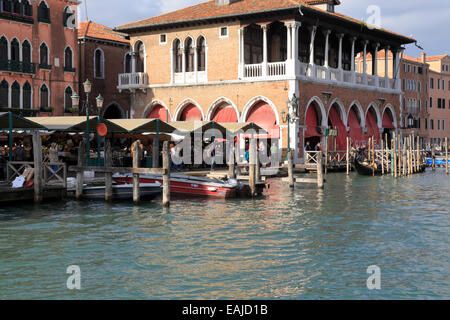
191,113
263,115
387,122
312,123
336,122
372,127
355,132
224,114
158,112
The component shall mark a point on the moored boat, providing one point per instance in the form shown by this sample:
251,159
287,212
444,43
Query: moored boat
187,186
367,169
148,191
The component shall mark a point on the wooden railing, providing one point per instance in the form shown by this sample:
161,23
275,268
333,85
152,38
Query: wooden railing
55,174
312,157
16,168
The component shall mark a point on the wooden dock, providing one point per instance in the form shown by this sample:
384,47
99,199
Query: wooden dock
11,195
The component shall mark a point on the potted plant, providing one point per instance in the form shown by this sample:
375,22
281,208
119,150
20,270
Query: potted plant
71,112
46,111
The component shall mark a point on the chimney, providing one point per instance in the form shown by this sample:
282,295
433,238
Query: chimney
424,57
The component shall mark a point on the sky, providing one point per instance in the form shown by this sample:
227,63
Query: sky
426,21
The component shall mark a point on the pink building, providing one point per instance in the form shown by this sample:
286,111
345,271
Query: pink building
38,55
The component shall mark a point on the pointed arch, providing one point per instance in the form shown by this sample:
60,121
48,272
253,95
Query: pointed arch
27,96
362,117
68,92
68,58
338,102
15,95
177,51
253,101
4,93
156,104
219,103
99,63
374,106
189,54
27,51
183,105
323,113
114,111
201,53
44,54
4,48
140,55
16,50
389,109
44,96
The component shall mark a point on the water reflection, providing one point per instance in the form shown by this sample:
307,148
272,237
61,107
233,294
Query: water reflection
292,244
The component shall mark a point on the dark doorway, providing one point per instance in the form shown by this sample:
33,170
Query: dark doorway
113,112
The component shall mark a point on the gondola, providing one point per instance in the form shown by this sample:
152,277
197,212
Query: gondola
366,170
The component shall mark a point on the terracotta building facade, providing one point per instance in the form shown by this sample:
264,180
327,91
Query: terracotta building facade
38,55
439,104
104,54
241,61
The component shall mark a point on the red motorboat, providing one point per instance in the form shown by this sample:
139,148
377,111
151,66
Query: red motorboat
187,186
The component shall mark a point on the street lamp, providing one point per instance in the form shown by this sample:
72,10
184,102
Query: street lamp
87,86
99,101
291,116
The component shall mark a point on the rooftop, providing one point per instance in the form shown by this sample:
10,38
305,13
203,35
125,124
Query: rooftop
209,10
94,30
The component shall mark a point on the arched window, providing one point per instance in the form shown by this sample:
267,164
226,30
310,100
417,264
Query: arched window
99,63
178,56
4,94
43,55
43,12
26,52
127,67
44,97
16,7
68,98
26,91
68,59
68,18
27,8
15,95
140,57
189,52
201,54
6,5
3,49
15,50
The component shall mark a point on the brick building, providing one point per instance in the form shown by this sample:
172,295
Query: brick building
439,106
38,55
104,54
240,61
414,73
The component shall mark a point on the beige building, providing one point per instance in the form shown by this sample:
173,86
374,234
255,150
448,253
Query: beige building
439,102
241,60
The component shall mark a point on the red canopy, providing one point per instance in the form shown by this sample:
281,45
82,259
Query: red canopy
224,114
311,123
387,122
372,127
263,115
336,122
158,112
191,113
355,132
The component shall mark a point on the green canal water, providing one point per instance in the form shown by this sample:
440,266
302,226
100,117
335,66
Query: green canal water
302,244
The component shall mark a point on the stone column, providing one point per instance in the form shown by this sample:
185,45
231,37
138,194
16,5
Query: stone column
341,73
366,42
196,63
183,63
133,62
375,64
295,36
386,66
265,55
288,26
311,53
353,59
241,52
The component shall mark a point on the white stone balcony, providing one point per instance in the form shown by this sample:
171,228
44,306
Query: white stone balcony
265,70
133,81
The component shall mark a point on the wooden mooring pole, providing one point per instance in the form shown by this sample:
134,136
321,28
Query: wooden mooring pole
80,174
37,153
348,156
252,167
446,155
166,175
291,169
320,182
136,187
433,155
108,175
231,165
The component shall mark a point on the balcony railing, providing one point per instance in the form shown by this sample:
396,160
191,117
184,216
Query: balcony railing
133,81
288,68
17,66
44,19
69,69
15,17
45,66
